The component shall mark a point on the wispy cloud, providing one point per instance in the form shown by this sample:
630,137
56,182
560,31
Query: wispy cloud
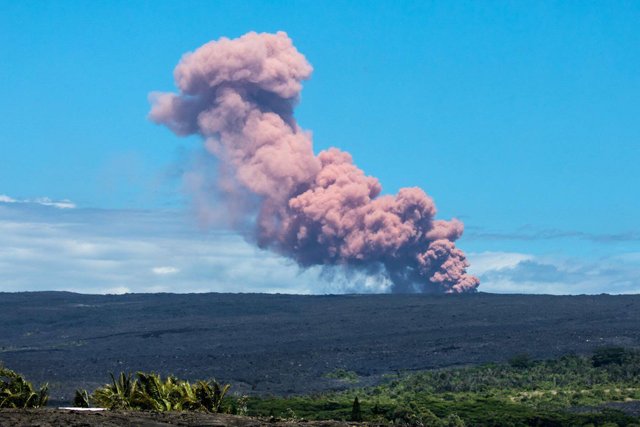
528,233
161,271
44,201
44,247
115,251
519,273
485,262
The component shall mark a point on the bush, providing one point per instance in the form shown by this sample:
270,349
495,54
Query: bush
356,412
151,392
608,356
120,394
521,361
81,399
16,392
453,420
343,374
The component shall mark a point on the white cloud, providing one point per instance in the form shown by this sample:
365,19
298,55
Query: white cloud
119,251
491,261
162,271
61,204
43,201
520,273
102,251
6,199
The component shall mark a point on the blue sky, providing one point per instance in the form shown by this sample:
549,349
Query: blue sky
520,118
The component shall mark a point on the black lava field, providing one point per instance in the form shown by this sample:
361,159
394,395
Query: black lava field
284,344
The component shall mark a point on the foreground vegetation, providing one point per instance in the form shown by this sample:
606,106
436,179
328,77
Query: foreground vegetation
149,392
564,392
16,392
522,392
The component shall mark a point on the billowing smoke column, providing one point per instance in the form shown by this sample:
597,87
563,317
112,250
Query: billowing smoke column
239,96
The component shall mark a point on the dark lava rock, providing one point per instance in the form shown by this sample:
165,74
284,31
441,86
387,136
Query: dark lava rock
64,418
284,344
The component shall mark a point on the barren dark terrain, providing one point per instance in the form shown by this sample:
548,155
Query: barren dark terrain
283,344
57,417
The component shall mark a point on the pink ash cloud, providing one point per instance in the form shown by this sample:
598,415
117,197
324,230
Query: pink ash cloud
239,95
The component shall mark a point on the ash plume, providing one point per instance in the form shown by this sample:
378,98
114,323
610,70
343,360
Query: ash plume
239,95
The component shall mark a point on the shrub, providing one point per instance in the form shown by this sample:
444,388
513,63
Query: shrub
343,374
210,395
356,412
608,356
154,394
452,420
521,361
81,399
148,391
117,395
16,392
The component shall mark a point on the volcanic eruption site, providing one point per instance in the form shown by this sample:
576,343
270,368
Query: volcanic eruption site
239,95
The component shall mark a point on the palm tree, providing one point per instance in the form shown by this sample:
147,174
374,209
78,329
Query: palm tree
117,395
154,394
210,394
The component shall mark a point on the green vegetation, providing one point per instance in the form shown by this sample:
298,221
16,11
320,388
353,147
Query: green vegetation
611,355
568,391
521,361
81,399
521,392
151,392
344,375
16,392
356,412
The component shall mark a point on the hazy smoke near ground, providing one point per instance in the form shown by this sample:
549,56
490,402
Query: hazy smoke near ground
239,96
